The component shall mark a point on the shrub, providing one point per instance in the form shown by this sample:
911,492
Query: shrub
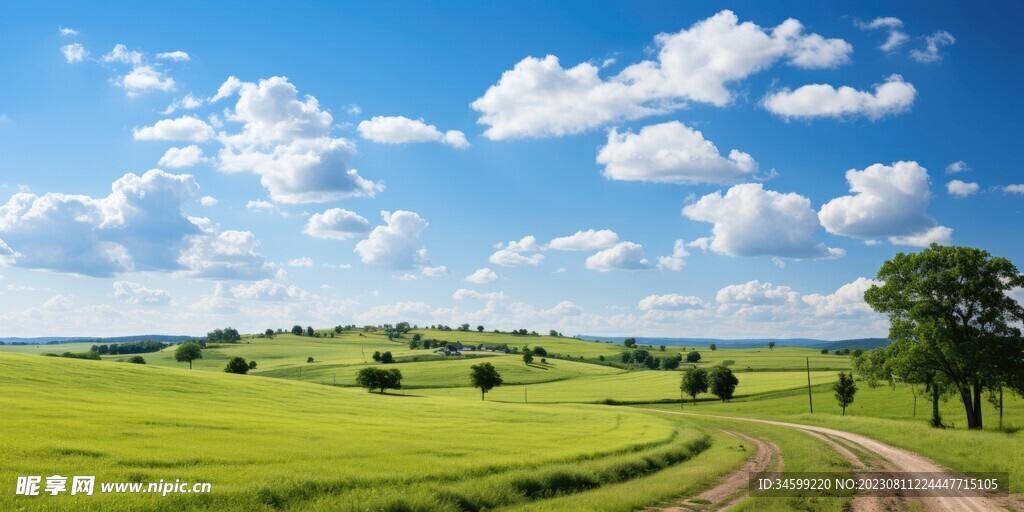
237,365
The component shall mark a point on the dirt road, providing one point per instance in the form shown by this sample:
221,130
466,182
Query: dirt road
896,460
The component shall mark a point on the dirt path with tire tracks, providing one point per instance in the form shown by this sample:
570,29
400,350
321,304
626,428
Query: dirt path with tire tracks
895,460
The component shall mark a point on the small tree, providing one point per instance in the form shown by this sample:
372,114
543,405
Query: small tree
310,359
387,358
269,333
771,345
310,331
844,389
527,357
188,352
485,377
824,351
540,351
695,381
693,357
722,382
629,342
137,360
237,365
479,328
376,356
252,365
713,347
297,330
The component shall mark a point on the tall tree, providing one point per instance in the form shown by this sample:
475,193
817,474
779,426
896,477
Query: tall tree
950,313
485,377
188,352
844,390
695,382
722,382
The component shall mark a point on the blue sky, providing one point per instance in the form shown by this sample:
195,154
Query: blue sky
744,169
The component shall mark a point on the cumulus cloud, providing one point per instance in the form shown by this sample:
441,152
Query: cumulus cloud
1014,189
933,46
482,276
402,130
396,244
74,52
848,300
464,293
892,26
957,167
540,98
138,226
621,256
677,260
287,142
670,302
962,188
208,201
671,152
135,293
145,78
176,56
588,240
823,100
756,293
67,31
186,128
189,102
270,290
304,261
120,53
336,224
225,255
751,221
514,254
182,157
888,201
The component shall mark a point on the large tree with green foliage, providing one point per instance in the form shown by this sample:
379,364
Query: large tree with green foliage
377,378
188,352
695,382
722,382
484,376
951,316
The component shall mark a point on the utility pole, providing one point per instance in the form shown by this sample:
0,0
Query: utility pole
809,400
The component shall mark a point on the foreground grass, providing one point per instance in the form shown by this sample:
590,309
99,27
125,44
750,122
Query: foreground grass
271,443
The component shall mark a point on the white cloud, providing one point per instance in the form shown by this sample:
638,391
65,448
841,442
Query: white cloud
621,256
957,167
892,25
135,293
437,271
121,53
186,128
176,56
671,152
1014,189
74,52
182,157
19,288
269,290
823,100
336,224
887,201
589,240
671,302
402,130
677,260
523,252
58,303
226,89
304,261
751,221
138,226
933,45
756,293
539,98
407,277
353,109
848,300
225,255
962,188
287,143
482,276
145,78
189,102
396,244
67,31
464,293
208,201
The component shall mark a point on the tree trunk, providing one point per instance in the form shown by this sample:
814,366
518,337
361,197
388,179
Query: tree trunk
190,365
936,417
482,394
844,410
977,406
969,407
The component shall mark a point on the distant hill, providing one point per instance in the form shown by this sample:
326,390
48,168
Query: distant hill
56,340
864,343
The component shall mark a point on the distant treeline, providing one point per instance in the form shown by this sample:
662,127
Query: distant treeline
131,347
